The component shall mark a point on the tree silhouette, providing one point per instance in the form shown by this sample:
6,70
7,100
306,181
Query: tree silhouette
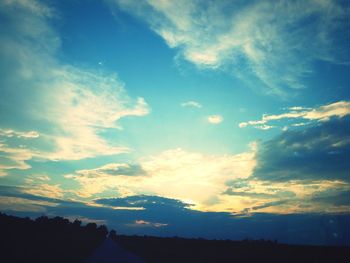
113,235
102,230
91,227
46,239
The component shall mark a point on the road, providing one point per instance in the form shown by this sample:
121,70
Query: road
111,252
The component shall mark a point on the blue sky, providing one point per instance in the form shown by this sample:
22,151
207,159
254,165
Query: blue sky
229,109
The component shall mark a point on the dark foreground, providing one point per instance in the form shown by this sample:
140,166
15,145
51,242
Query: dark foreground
59,240
153,249
48,240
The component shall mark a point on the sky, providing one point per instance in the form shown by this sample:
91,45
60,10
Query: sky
194,118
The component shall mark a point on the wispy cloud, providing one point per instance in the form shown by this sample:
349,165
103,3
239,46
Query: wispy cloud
86,105
191,103
33,6
274,42
215,119
14,158
70,107
338,109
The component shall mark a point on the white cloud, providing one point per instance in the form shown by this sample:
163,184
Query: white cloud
175,173
191,103
86,104
271,39
18,134
264,127
215,119
297,108
73,106
300,124
323,113
194,176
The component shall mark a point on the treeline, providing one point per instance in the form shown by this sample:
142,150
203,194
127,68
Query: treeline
48,239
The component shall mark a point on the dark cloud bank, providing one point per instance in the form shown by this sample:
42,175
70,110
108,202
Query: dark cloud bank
319,152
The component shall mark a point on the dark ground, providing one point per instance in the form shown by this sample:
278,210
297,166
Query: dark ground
154,250
59,240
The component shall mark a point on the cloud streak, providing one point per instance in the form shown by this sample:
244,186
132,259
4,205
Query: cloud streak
323,113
